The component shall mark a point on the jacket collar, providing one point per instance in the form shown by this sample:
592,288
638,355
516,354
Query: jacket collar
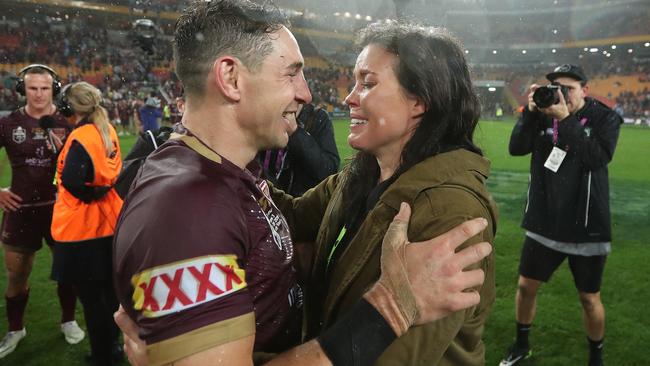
433,172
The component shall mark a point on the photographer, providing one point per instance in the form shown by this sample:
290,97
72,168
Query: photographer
572,138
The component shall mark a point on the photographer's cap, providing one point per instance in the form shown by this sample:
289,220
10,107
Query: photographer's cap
568,70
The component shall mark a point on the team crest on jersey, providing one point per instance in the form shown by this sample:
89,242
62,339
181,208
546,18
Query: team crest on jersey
183,285
19,135
277,223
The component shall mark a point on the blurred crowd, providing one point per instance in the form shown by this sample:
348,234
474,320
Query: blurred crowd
634,105
329,86
128,75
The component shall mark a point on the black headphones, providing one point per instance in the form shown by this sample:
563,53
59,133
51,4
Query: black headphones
62,104
56,83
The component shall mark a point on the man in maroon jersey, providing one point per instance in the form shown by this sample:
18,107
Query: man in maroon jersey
28,203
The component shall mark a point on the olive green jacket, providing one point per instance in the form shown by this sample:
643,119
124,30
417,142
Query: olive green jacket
443,191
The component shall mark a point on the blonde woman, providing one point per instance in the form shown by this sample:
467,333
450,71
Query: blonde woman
85,214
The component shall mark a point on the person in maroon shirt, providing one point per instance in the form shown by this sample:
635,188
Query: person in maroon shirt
27,204
203,260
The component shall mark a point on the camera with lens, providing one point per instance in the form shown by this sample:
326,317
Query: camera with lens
546,96
143,34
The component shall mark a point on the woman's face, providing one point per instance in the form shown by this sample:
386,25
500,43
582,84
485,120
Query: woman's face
382,117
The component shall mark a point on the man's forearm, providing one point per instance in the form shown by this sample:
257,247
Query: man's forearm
309,353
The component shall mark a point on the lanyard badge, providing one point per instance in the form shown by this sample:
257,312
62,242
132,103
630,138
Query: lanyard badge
555,159
557,155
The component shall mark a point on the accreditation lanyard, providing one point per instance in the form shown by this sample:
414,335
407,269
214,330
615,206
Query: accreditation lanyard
279,162
583,121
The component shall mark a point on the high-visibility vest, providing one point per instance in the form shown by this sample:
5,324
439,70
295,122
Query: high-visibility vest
72,219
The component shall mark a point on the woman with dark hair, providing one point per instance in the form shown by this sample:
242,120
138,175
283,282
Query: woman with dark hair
413,113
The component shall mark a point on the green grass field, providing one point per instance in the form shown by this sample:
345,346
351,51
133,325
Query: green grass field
557,336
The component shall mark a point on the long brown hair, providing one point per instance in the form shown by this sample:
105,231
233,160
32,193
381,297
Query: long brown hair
431,66
85,100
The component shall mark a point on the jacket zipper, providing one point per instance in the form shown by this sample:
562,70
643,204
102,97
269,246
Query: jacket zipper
588,197
528,193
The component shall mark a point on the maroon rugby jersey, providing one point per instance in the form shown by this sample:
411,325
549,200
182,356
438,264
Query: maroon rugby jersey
198,242
32,163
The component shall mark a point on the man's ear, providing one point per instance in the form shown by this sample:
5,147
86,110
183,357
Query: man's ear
226,72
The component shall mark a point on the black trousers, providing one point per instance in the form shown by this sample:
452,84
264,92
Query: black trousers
99,304
87,266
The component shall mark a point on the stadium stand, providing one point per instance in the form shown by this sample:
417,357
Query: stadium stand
495,34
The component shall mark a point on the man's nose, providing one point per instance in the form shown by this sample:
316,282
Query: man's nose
303,95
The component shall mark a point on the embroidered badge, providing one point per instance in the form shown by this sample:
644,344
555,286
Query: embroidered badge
19,135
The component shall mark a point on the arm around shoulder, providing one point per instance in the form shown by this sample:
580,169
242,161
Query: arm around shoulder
435,213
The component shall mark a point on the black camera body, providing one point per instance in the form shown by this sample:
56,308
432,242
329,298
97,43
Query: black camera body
143,35
546,96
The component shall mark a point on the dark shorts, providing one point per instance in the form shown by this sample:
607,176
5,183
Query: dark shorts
23,230
538,262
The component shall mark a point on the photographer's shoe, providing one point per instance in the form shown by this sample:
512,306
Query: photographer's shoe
515,355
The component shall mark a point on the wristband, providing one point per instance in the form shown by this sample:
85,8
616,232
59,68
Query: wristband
358,338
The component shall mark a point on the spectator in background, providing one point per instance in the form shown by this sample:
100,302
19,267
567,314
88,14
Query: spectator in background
124,112
28,203
85,215
167,114
150,115
310,156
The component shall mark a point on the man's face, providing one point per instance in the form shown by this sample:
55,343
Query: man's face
273,92
38,91
577,93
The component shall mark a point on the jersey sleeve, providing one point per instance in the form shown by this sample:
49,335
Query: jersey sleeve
180,267
3,123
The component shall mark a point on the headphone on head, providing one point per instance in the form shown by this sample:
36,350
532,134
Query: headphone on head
56,83
62,103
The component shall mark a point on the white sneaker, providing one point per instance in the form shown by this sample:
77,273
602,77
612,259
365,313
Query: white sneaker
73,334
10,341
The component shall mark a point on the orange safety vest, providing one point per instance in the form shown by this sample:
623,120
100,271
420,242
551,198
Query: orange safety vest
73,220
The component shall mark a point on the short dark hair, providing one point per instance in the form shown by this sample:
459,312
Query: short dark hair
431,66
209,29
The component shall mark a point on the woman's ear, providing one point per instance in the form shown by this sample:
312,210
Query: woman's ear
418,108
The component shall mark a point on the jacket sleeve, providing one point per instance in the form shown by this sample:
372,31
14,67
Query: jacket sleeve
315,151
596,149
524,133
456,337
305,213
78,172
